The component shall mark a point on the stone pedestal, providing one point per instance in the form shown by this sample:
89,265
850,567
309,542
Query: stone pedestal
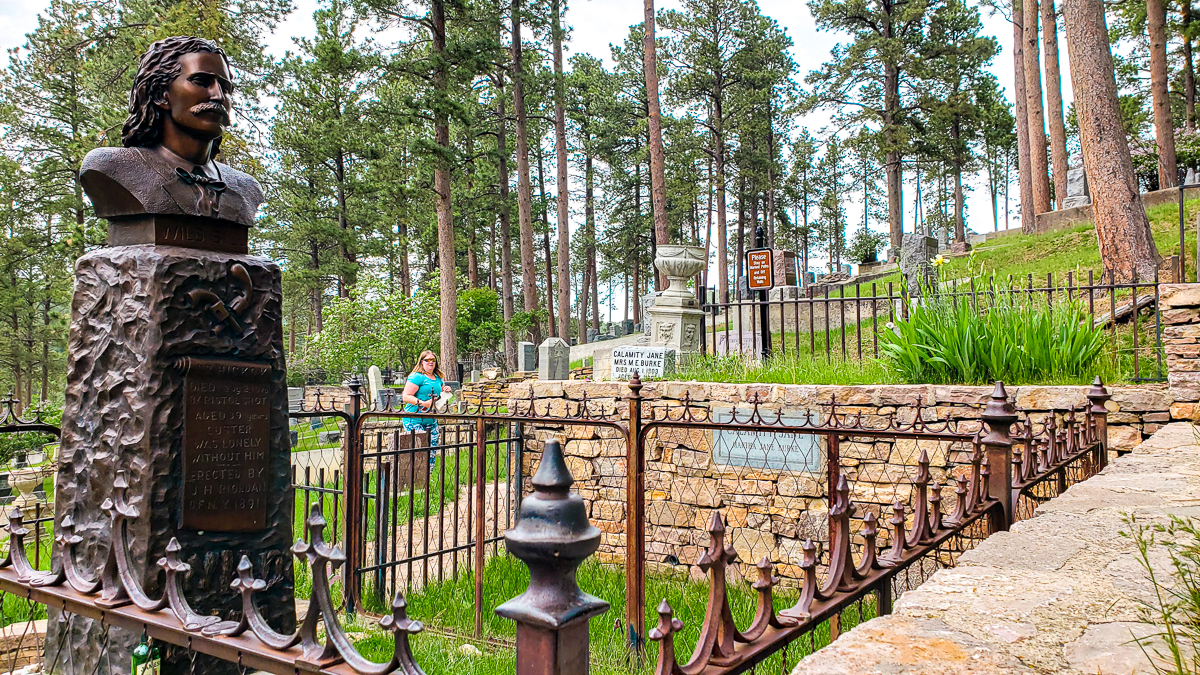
554,359
176,375
676,315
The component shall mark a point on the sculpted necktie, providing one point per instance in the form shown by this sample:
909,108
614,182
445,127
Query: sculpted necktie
210,189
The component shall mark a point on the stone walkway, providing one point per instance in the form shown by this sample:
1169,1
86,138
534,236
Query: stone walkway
1060,593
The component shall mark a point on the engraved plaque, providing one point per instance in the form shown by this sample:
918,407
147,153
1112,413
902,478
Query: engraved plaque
226,445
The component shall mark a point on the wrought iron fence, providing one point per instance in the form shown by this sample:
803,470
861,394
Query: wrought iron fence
1014,464
848,322
867,556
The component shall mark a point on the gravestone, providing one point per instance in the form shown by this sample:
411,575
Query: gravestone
295,398
784,271
526,357
916,252
648,362
554,359
592,334
375,385
176,372
627,326
1078,192
743,289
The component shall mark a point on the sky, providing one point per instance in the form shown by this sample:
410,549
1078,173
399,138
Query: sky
598,23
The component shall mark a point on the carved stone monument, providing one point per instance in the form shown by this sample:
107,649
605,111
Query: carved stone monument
554,359
176,371
1078,193
676,315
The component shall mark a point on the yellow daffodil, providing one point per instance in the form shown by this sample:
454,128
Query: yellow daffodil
939,260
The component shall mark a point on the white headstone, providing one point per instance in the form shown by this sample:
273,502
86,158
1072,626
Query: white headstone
554,359
526,356
375,384
647,362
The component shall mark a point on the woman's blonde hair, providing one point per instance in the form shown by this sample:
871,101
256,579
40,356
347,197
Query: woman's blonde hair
437,368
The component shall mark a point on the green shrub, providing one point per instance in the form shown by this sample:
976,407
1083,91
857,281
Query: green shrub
1016,339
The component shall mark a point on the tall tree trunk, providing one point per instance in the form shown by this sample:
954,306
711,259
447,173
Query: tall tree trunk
506,289
1054,103
316,297
1189,70
1024,173
560,148
405,272
741,236
468,222
1121,225
589,224
893,168
722,231
658,181
552,319
709,226
524,190
584,294
448,286
1164,128
1039,171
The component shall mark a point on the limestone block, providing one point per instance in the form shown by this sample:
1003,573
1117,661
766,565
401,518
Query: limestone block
610,466
907,451
608,510
581,469
800,485
697,491
1142,399
1185,386
585,448
1124,437
955,394
1180,295
1050,398
1184,411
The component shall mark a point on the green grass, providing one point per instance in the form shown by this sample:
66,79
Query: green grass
786,369
1074,249
308,438
579,363
448,606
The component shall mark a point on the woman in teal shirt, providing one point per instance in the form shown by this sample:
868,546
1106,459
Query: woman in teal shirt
421,390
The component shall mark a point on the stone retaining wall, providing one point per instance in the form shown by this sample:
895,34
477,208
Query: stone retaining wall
1061,592
492,393
770,511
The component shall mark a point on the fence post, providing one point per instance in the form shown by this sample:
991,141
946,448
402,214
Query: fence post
1098,395
635,521
353,497
1000,415
552,537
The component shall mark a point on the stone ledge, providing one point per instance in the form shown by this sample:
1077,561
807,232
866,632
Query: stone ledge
1058,593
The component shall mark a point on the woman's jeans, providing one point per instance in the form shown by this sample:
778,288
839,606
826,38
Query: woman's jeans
434,435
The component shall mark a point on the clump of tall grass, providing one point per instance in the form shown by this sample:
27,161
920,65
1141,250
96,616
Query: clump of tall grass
1013,338
1175,608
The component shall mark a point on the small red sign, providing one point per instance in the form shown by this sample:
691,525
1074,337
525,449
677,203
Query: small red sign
758,269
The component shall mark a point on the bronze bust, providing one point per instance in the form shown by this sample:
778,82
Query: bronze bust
179,109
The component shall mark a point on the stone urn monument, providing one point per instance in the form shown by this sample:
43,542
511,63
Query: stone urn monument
25,481
676,314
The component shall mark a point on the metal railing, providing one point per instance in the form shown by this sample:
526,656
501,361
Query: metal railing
848,322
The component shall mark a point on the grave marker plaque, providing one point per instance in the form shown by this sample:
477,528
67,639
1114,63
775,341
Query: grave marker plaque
647,362
226,428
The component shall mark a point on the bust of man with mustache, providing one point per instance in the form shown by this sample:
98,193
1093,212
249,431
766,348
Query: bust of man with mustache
179,109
